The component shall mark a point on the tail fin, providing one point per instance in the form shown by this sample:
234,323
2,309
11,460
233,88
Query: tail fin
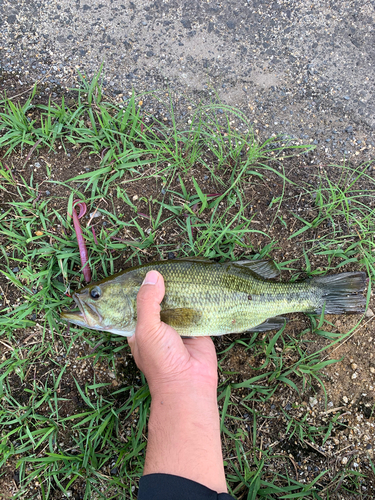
342,293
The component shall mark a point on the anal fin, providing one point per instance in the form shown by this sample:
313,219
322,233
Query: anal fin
270,324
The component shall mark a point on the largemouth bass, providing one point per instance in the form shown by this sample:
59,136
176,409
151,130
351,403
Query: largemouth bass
203,297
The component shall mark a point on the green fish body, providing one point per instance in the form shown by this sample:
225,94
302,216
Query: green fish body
203,297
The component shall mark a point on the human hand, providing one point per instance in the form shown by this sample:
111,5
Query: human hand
184,425
168,361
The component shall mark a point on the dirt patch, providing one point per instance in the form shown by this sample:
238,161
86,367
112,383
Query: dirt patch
310,433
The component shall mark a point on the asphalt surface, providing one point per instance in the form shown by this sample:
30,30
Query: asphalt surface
305,68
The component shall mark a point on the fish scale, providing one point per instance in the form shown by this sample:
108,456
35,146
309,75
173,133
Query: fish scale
231,309
203,297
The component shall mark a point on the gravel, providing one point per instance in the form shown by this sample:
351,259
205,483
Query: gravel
293,67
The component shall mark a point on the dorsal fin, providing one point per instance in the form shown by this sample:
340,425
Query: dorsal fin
264,268
196,259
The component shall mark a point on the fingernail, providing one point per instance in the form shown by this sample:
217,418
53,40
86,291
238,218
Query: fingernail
151,278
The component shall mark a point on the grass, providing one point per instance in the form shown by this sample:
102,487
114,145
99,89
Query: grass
94,442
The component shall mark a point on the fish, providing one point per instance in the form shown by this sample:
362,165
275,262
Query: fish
204,297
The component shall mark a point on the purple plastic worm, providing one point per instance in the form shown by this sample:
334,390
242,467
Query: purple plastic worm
94,235
81,242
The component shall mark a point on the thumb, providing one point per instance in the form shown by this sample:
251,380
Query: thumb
149,298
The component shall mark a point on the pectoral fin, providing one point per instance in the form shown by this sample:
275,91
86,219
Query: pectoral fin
270,324
180,318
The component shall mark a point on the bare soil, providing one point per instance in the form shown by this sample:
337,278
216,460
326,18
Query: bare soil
350,383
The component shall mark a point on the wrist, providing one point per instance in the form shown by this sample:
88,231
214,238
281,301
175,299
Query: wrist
184,411
184,437
183,390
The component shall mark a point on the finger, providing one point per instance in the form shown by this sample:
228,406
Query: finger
131,342
149,298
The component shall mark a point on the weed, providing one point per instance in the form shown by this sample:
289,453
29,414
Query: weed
64,427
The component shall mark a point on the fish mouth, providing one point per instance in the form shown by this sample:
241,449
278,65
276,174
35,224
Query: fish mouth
80,317
73,315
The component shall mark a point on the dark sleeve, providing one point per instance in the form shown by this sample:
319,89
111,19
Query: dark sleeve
168,487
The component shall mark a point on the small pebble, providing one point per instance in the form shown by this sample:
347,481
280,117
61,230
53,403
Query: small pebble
96,214
313,401
345,399
354,376
369,313
135,197
354,366
15,269
344,460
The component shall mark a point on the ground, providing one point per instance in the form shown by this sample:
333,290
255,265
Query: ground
302,68
318,424
298,69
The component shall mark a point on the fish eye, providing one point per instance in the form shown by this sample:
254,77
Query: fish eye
95,293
